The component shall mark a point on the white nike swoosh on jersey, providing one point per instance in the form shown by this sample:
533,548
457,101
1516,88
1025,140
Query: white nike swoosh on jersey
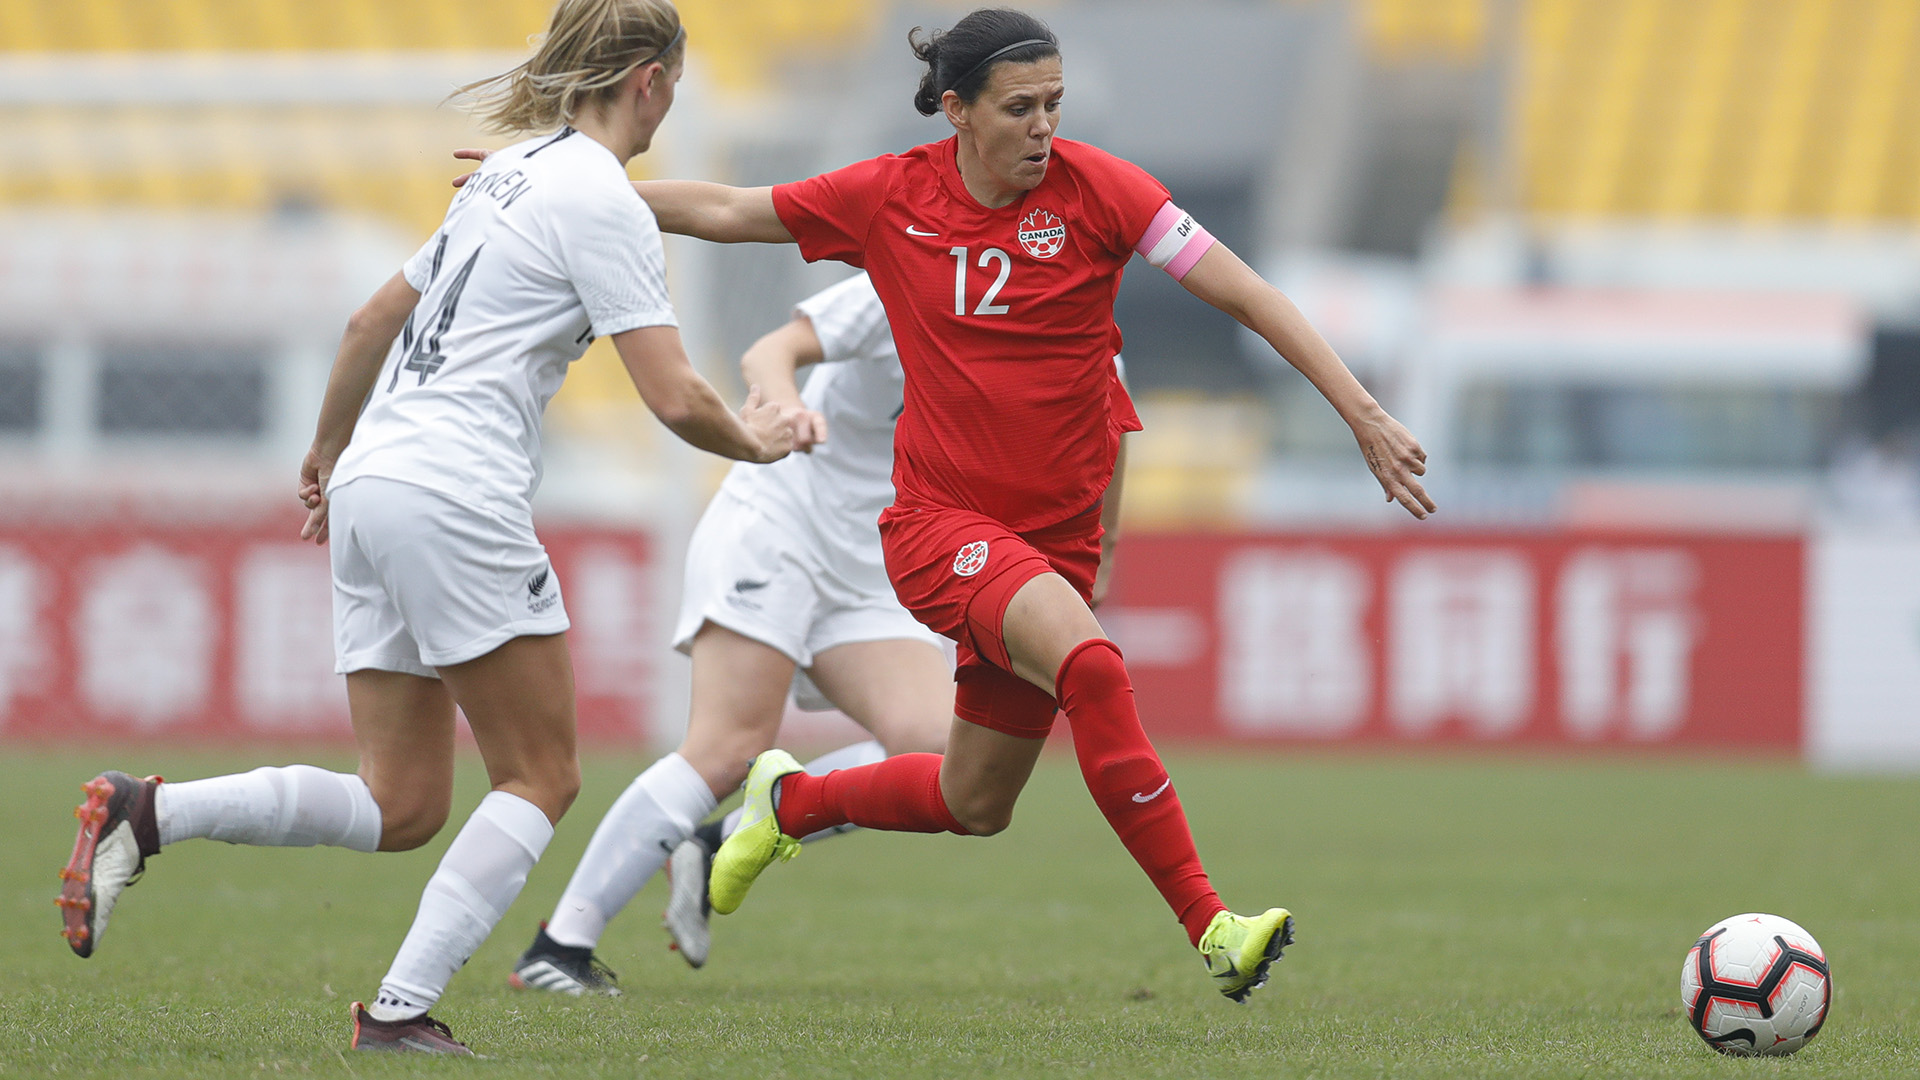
911,231
1137,797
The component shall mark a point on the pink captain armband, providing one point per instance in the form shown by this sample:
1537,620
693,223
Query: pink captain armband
1174,241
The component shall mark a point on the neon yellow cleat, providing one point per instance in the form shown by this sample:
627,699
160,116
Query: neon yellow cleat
758,842
1238,949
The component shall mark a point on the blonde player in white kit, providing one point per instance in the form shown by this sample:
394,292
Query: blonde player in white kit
422,472
784,587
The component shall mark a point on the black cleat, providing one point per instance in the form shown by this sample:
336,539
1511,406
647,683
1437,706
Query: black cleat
563,969
420,1034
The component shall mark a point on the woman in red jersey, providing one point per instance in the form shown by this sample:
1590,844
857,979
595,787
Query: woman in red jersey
997,254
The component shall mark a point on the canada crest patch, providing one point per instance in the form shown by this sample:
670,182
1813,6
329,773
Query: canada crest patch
971,559
1043,234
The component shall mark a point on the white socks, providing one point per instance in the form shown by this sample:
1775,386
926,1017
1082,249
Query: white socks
295,806
847,757
478,879
656,812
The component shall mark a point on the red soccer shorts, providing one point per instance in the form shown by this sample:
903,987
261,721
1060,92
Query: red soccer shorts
957,571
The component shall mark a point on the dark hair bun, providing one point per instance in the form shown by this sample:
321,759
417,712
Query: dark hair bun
927,98
962,57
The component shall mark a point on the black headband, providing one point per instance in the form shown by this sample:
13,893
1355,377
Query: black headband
678,36
998,53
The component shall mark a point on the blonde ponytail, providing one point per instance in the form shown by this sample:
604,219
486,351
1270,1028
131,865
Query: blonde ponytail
590,47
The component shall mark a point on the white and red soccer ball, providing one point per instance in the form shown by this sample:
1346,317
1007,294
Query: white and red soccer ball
1756,984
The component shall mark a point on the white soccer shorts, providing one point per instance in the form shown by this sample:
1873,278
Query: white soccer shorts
759,579
422,581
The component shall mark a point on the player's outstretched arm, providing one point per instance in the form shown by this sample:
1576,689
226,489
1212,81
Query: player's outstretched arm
772,363
690,406
1223,280
363,348
716,212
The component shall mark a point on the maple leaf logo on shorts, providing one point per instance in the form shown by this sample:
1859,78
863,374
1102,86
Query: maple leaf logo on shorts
971,559
1043,234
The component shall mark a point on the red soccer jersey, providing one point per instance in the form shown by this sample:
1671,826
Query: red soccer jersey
1003,318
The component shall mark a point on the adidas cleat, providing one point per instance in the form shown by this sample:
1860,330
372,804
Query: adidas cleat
118,831
758,842
420,1034
688,906
1238,949
563,969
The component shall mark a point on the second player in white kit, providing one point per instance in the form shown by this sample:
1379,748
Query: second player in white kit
784,585
789,553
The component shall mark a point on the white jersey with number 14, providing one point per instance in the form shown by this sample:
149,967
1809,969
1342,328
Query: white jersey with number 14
546,247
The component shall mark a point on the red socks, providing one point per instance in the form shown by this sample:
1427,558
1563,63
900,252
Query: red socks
1128,782
900,794
1124,774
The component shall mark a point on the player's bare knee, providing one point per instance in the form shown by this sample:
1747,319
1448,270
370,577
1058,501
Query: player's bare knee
736,750
984,815
550,782
559,786
720,766
990,822
406,824
727,775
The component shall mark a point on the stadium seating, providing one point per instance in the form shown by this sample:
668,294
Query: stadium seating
1756,110
743,35
1762,111
383,160
365,159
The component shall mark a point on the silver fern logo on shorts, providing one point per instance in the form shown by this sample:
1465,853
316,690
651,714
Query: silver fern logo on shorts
971,559
538,599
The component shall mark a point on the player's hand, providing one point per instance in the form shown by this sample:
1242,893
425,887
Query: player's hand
770,425
314,473
469,154
809,429
1396,459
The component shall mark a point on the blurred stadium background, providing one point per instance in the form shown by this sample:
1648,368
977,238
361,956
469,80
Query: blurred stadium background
1644,276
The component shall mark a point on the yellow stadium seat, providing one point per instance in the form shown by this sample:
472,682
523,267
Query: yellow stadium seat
1403,30
1746,110
388,161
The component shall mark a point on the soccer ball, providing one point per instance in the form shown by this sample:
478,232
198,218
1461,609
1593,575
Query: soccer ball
1756,984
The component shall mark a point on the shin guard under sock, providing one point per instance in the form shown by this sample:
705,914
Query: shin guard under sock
900,794
479,877
294,806
631,843
1128,782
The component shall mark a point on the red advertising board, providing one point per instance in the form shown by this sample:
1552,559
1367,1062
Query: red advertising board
1422,637
1550,639
164,630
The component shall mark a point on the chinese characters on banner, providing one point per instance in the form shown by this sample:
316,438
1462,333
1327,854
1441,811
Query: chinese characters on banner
205,630
1527,639
1459,638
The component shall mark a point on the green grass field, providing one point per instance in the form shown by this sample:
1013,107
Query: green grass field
1458,918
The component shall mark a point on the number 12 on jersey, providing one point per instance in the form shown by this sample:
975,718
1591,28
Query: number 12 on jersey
987,258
